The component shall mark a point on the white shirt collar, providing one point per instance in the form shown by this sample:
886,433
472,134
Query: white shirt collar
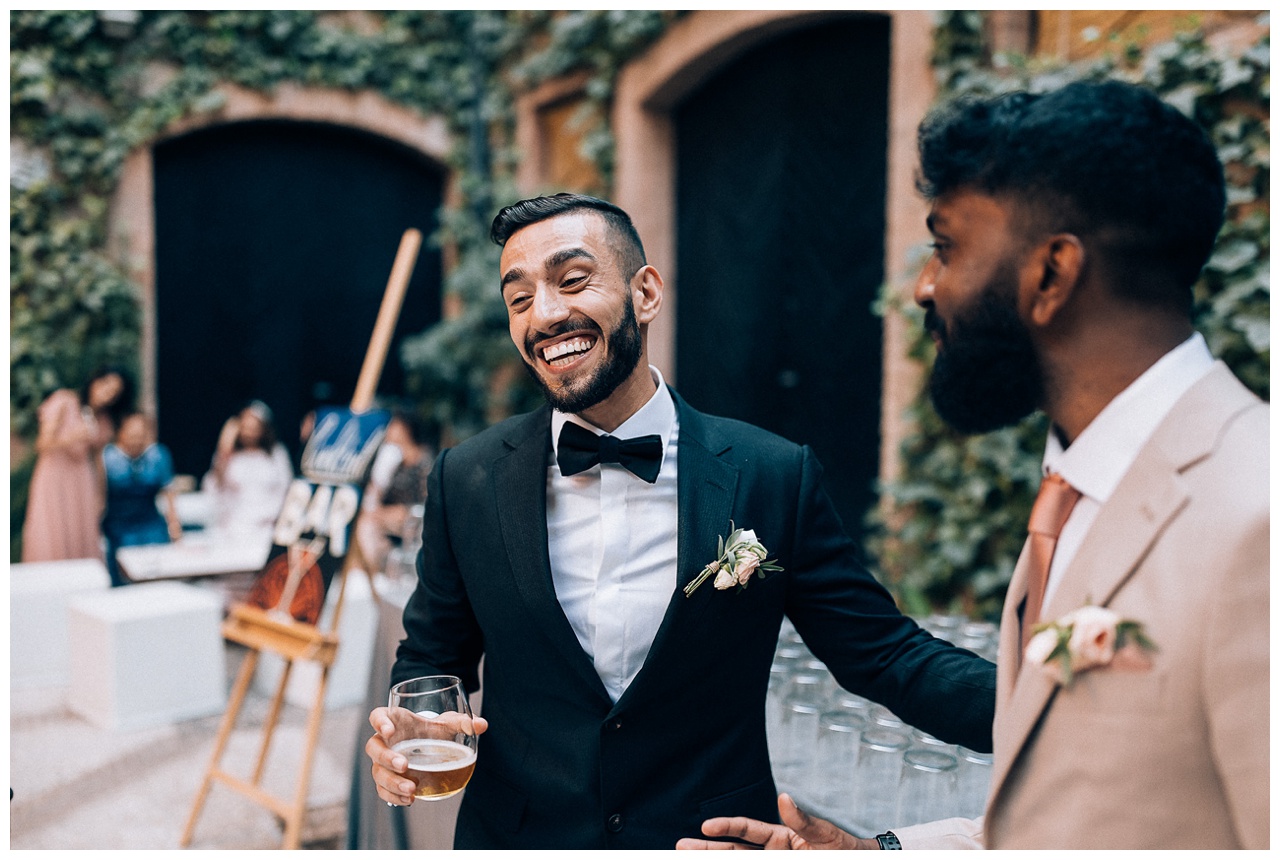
1099,457
657,416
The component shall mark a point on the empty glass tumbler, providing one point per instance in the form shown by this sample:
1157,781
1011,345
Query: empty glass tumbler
875,795
835,761
927,787
974,782
798,729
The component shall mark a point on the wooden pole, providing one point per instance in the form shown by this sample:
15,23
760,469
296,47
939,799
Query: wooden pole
392,299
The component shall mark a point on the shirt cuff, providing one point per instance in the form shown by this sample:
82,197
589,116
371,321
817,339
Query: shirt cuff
949,834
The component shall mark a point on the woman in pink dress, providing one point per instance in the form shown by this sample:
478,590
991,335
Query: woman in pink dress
65,502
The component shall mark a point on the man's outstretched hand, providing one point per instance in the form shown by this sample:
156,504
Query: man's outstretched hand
798,831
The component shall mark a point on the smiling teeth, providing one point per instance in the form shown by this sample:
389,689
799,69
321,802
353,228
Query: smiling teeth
567,348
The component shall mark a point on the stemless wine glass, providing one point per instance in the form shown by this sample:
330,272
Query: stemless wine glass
434,731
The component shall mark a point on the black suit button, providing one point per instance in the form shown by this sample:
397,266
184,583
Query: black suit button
614,824
615,725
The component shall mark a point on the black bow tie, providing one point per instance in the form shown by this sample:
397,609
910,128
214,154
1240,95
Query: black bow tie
580,449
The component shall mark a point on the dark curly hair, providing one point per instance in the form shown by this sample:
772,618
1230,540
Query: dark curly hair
124,402
629,250
1132,177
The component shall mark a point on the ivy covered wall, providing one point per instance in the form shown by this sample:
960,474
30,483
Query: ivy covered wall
87,88
85,94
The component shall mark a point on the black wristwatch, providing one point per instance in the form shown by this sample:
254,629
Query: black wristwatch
888,841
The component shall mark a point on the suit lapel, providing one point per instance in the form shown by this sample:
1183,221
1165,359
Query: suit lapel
520,492
1144,502
1011,626
705,487
1148,497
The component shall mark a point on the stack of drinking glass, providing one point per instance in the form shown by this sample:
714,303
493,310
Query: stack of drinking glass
854,762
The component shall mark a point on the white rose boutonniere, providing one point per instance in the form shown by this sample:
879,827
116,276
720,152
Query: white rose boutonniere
740,557
1086,638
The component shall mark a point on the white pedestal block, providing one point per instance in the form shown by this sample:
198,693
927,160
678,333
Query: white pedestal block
146,655
39,655
349,675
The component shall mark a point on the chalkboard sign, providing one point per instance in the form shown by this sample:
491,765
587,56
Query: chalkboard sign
316,525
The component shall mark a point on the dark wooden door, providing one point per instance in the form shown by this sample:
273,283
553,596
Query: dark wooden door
781,201
274,242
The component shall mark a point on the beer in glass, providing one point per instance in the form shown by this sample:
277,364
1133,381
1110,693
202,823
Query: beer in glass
435,733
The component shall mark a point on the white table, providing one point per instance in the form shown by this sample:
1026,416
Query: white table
198,554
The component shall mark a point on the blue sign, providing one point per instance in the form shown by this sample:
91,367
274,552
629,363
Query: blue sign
343,444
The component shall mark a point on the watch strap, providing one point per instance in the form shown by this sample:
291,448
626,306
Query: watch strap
888,841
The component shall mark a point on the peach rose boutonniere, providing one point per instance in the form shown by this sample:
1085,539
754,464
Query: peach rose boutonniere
740,557
1087,638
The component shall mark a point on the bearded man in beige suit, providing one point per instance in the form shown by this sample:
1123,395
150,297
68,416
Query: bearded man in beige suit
1068,230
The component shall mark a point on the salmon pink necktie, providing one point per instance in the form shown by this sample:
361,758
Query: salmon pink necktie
1049,514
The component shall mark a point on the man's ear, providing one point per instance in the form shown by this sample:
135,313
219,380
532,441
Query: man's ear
1057,269
646,294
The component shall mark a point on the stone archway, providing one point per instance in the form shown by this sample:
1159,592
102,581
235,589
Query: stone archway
132,214
645,183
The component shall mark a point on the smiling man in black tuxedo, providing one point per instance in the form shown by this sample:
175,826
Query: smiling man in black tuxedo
560,545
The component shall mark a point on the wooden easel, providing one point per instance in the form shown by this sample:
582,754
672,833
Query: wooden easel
278,633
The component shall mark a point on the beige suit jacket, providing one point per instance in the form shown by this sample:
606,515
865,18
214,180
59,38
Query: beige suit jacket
1177,756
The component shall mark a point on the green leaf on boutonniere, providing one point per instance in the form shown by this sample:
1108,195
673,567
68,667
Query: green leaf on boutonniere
1127,631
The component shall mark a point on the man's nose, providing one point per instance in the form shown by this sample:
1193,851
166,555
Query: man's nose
923,293
549,309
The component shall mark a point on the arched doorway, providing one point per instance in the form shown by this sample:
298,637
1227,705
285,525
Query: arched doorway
273,243
780,232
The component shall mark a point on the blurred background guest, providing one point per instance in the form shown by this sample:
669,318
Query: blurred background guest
251,471
389,499
139,473
66,495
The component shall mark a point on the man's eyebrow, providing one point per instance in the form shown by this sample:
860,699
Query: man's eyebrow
512,275
559,258
555,261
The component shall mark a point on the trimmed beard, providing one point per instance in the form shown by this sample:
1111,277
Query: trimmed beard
986,374
623,356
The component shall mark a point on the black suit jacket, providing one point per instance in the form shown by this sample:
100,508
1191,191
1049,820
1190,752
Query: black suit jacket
561,766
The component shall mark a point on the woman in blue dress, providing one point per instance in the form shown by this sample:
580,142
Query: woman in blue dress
138,471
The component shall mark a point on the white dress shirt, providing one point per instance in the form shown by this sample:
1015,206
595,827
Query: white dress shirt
1101,455
612,542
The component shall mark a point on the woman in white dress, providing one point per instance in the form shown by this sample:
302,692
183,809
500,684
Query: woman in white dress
251,471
